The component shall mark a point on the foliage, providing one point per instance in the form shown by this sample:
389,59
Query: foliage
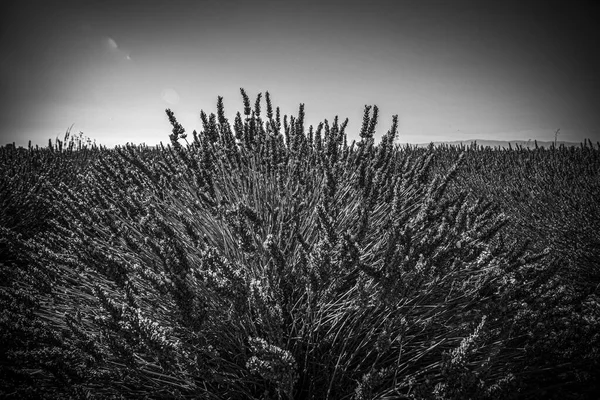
264,260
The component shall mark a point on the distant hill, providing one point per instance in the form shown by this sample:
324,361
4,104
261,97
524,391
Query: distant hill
502,143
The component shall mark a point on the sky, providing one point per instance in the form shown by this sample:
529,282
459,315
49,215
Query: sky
450,70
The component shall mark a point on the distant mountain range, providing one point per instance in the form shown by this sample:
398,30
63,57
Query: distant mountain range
502,143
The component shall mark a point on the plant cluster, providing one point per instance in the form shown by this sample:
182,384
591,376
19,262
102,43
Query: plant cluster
263,259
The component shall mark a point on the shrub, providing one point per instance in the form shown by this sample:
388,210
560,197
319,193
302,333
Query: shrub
265,260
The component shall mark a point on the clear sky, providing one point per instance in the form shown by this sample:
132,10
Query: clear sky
451,70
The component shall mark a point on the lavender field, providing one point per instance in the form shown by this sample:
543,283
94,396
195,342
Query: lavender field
264,259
